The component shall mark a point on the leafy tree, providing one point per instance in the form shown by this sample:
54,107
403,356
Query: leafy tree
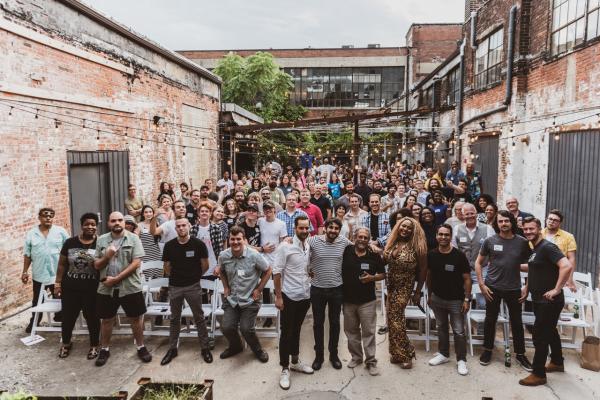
257,84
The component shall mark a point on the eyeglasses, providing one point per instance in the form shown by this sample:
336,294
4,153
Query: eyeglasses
47,214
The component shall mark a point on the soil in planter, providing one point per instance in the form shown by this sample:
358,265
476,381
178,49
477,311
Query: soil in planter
173,391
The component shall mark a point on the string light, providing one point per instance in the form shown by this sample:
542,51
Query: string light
36,113
557,137
56,130
10,111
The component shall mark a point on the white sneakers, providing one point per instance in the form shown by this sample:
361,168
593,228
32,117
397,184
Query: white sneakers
438,359
373,370
462,368
284,379
300,367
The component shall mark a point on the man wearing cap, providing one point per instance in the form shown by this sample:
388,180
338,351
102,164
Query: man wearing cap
40,252
131,225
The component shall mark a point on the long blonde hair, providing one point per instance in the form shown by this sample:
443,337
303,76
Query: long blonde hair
417,240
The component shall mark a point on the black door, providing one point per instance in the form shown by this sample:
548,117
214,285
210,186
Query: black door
485,151
89,193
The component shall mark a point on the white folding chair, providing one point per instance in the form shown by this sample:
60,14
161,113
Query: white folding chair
478,316
207,308
156,308
567,319
49,306
269,311
415,313
217,307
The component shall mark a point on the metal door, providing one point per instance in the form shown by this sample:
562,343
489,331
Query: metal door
485,150
89,193
573,182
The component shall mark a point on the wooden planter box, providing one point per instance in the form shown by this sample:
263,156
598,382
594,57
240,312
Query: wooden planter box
118,396
204,390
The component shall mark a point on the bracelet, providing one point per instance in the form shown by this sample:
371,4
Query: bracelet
56,284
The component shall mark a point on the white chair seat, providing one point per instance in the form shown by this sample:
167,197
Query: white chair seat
50,305
267,311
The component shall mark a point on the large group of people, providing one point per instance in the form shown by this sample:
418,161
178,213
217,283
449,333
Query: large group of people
325,233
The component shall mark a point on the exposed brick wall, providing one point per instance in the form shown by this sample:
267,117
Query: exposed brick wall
33,156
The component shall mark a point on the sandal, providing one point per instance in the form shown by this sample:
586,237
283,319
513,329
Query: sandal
93,353
64,351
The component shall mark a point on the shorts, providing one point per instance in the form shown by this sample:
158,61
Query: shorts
133,304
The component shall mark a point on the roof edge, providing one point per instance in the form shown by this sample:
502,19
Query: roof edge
110,23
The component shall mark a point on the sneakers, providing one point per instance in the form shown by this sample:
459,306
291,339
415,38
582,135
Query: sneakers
373,370
524,362
102,357
284,379
486,357
461,367
144,355
300,367
438,359
354,363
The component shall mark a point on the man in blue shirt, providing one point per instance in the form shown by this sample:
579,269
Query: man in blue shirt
40,252
454,174
306,160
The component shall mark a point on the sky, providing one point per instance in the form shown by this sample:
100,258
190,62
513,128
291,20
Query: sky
258,24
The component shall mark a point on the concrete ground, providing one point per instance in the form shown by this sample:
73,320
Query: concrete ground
37,369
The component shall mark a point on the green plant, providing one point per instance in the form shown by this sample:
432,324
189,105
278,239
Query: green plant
176,392
20,395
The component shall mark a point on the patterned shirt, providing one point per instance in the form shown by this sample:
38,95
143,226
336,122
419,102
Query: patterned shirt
216,237
289,220
383,224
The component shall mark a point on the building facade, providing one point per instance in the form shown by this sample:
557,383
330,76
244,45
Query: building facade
335,81
527,111
86,107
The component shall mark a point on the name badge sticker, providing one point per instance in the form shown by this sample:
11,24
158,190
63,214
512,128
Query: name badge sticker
498,247
462,240
364,266
189,253
190,215
91,252
241,273
449,268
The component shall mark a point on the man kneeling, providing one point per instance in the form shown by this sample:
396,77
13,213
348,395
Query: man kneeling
185,261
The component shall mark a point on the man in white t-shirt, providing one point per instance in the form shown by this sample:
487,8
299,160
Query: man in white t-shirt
226,182
166,230
326,169
202,231
272,231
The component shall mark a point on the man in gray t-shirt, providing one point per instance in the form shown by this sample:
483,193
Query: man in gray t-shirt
505,251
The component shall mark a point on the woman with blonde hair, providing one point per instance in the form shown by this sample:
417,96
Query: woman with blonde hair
406,255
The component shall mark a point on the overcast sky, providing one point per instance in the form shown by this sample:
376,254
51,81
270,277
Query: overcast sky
251,24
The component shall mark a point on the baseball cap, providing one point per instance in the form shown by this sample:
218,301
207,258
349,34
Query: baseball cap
130,219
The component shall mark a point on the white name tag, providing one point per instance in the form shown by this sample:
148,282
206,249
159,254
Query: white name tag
498,247
189,253
241,273
364,266
190,215
532,257
462,240
449,268
91,252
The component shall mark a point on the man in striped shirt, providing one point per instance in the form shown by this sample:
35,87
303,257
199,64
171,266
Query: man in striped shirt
326,288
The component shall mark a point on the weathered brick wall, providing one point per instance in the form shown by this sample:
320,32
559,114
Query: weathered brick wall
33,166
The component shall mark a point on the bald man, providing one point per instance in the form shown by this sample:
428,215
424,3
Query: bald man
118,258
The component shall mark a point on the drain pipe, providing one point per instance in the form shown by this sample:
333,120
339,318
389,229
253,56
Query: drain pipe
459,103
511,54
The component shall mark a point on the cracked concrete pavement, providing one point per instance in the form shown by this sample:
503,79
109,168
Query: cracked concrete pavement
38,369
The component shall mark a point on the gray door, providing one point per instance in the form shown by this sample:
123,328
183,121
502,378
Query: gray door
486,162
573,182
89,193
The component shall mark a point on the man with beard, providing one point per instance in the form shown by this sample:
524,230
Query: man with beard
192,208
276,194
326,289
292,297
185,260
167,230
118,258
41,251
345,199
549,271
76,285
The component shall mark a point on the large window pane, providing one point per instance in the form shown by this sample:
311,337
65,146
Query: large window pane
592,31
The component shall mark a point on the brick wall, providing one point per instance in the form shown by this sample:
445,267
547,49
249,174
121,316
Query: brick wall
33,166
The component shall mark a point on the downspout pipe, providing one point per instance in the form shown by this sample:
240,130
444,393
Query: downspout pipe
511,54
461,92
474,30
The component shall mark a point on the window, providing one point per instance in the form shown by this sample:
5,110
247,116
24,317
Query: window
346,87
488,59
568,24
593,30
452,87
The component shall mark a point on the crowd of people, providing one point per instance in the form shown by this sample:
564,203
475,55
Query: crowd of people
325,234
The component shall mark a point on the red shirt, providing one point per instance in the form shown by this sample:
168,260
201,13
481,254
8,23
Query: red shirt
314,215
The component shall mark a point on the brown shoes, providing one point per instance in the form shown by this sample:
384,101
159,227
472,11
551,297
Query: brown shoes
532,380
551,367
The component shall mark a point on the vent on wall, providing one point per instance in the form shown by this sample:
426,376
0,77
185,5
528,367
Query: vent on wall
373,45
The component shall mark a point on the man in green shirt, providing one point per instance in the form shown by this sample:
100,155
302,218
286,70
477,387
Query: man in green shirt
133,204
118,258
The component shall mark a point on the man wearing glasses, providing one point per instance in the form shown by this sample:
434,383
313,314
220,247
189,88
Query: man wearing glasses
564,240
40,252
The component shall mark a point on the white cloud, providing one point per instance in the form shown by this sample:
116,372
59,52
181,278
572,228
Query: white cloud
225,24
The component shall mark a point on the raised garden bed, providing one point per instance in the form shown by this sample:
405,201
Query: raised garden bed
149,390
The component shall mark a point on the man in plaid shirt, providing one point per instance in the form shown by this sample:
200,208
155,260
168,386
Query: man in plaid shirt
290,213
210,234
377,222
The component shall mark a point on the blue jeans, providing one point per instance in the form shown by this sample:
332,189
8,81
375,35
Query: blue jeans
453,309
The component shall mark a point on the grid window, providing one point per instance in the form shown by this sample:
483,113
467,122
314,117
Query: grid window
568,23
453,86
593,30
346,87
488,59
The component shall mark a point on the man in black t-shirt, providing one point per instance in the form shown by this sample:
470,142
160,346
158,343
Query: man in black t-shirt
185,261
449,283
251,228
549,271
361,268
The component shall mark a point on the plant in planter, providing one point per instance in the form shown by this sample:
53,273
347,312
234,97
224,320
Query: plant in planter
20,395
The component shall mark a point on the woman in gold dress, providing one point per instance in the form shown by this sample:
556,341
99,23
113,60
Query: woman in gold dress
406,255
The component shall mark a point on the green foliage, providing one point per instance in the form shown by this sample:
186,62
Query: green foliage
257,84
20,395
175,392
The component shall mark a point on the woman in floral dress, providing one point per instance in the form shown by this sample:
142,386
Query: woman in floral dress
406,255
